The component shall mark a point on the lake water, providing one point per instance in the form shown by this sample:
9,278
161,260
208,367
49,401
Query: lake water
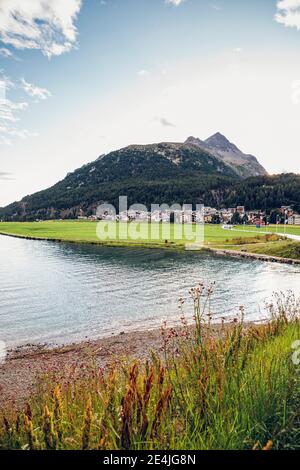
61,293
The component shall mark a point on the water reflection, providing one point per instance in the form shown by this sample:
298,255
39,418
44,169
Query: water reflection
65,292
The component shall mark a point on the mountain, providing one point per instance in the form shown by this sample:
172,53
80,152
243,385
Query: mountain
245,165
164,173
159,173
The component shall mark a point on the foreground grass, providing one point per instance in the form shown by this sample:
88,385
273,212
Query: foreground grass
237,389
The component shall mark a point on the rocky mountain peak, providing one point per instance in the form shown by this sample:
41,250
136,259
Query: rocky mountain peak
218,145
221,142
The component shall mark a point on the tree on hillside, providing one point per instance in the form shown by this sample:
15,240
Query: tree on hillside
245,219
215,219
275,217
236,219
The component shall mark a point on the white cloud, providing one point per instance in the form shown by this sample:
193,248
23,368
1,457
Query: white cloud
143,73
7,54
216,7
45,25
5,84
9,114
34,91
4,176
8,110
174,2
4,140
8,121
164,122
6,133
288,13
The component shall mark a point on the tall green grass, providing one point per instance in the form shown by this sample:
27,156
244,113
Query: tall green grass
231,388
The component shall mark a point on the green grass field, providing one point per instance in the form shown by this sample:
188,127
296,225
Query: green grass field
86,232
158,235
83,231
289,229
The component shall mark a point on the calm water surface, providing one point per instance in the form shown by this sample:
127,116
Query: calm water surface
61,293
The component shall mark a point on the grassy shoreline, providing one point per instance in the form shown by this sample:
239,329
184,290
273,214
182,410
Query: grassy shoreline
248,240
111,243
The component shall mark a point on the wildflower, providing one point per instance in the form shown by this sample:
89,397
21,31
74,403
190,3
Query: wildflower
87,425
28,411
32,441
49,437
162,405
126,419
102,441
6,425
161,376
18,424
58,411
148,386
268,446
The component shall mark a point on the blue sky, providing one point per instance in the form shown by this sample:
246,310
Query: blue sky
84,78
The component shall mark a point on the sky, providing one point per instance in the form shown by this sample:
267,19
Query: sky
82,78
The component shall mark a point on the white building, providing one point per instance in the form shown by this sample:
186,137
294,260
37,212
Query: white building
294,219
